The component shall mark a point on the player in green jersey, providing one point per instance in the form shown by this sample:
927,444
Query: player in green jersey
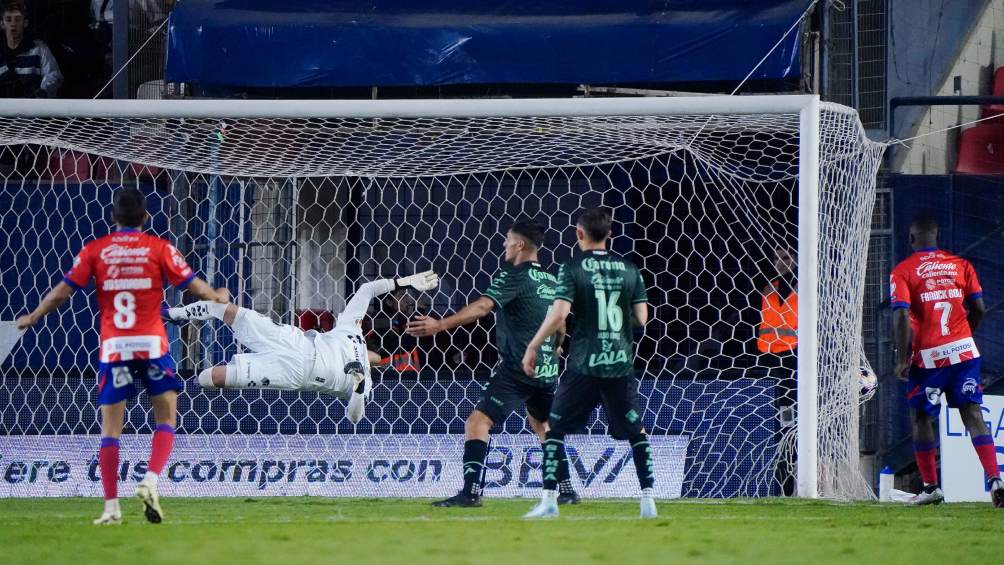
607,294
521,294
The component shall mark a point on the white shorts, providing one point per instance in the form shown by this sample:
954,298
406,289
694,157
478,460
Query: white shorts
282,356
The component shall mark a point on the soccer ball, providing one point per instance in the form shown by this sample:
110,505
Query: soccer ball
867,383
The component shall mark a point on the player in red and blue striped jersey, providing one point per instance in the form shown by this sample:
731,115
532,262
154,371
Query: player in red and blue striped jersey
130,269
937,298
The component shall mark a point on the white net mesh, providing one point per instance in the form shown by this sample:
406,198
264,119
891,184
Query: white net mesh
292,214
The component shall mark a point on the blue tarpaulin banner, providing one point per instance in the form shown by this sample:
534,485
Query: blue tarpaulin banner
311,43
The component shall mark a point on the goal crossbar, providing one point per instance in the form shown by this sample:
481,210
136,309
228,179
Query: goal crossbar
527,107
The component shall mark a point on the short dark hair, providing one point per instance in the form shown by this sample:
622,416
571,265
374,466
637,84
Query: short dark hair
595,222
129,208
924,224
15,6
530,230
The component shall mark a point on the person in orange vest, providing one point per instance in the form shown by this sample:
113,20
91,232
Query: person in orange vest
777,342
778,331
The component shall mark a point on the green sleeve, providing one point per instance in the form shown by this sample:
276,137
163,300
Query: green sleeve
566,285
503,288
640,294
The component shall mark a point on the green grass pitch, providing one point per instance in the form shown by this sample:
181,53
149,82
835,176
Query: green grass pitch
324,530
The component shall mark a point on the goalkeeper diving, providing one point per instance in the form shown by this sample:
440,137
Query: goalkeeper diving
285,357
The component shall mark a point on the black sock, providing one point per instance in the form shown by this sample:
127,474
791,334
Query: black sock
554,452
641,451
564,477
475,452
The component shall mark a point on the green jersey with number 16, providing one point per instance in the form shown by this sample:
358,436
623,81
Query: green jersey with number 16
603,288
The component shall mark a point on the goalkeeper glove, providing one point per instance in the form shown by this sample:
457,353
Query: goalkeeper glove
420,281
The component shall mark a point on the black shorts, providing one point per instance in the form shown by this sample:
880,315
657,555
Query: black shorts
505,393
577,395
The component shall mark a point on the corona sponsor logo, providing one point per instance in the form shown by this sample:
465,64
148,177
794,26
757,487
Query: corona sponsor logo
591,264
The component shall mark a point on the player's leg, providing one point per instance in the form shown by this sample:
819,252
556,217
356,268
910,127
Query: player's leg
965,394
115,387
163,385
112,419
620,401
498,399
574,400
925,452
538,407
476,430
983,443
278,370
924,399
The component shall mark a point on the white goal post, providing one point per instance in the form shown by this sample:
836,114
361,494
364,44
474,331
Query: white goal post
570,150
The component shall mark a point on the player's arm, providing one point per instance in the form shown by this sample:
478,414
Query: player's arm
901,337
639,302
640,314
201,290
554,321
559,339
423,326
53,300
977,311
899,299
974,298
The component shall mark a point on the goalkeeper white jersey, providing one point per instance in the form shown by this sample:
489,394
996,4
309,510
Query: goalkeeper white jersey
333,351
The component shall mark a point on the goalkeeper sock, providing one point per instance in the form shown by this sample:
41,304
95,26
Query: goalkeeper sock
162,443
987,452
475,451
641,452
554,452
926,455
108,462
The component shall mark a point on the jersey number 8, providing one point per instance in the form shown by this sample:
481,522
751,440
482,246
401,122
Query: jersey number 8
125,310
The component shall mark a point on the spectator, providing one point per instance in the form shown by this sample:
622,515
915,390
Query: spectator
27,67
777,342
388,337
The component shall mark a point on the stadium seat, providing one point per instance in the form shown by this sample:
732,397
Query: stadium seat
69,165
981,150
997,90
320,320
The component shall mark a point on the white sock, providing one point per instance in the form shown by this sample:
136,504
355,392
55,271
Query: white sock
112,506
230,379
647,492
550,496
151,477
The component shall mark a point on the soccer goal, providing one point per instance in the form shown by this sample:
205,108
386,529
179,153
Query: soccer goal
292,204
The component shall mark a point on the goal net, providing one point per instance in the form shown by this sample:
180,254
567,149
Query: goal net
292,205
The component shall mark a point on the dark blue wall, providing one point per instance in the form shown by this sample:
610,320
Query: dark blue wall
442,42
